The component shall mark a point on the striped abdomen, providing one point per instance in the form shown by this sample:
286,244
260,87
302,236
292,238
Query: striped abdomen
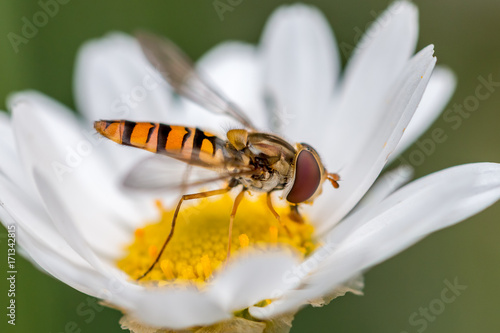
188,144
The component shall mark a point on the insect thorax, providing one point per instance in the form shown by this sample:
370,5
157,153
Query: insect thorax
273,158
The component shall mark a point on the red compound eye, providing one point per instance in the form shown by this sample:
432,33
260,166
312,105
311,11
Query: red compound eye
307,178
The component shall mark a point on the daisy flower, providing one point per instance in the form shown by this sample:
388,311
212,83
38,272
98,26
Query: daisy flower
60,182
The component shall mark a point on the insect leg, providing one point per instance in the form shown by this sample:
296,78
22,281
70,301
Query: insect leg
174,219
236,203
185,177
276,215
295,215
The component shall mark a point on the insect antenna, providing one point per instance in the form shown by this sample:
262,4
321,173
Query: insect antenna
334,179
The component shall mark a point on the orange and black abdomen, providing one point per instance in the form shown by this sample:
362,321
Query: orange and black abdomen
188,144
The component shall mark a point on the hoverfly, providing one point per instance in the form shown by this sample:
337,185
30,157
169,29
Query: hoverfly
254,160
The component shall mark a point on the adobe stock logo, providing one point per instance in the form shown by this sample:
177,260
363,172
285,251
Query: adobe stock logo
425,315
222,6
30,27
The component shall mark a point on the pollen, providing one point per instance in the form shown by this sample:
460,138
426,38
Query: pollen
198,248
244,241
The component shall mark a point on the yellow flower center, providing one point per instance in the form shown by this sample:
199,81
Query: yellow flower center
199,245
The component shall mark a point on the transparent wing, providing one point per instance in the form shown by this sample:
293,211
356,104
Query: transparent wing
160,173
179,71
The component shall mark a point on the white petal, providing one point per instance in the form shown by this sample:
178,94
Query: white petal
244,283
440,193
384,186
301,67
372,76
10,165
53,145
424,206
174,308
437,94
6,130
359,170
251,279
116,281
369,77
44,245
114,80
65,224
83,278
234,69
31,216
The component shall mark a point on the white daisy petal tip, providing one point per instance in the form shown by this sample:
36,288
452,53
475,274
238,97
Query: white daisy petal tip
295,12
404,10
446,76
114,41
295,17
16,99
439,90
299,37
396,31
95,51
39,105
114,80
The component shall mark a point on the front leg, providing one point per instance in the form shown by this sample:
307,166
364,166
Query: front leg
276,215
294,214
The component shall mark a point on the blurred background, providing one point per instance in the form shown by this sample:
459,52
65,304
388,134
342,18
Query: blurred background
465,34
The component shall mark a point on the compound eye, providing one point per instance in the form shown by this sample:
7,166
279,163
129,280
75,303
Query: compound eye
307,177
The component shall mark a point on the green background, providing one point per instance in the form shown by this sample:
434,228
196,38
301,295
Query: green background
466,37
